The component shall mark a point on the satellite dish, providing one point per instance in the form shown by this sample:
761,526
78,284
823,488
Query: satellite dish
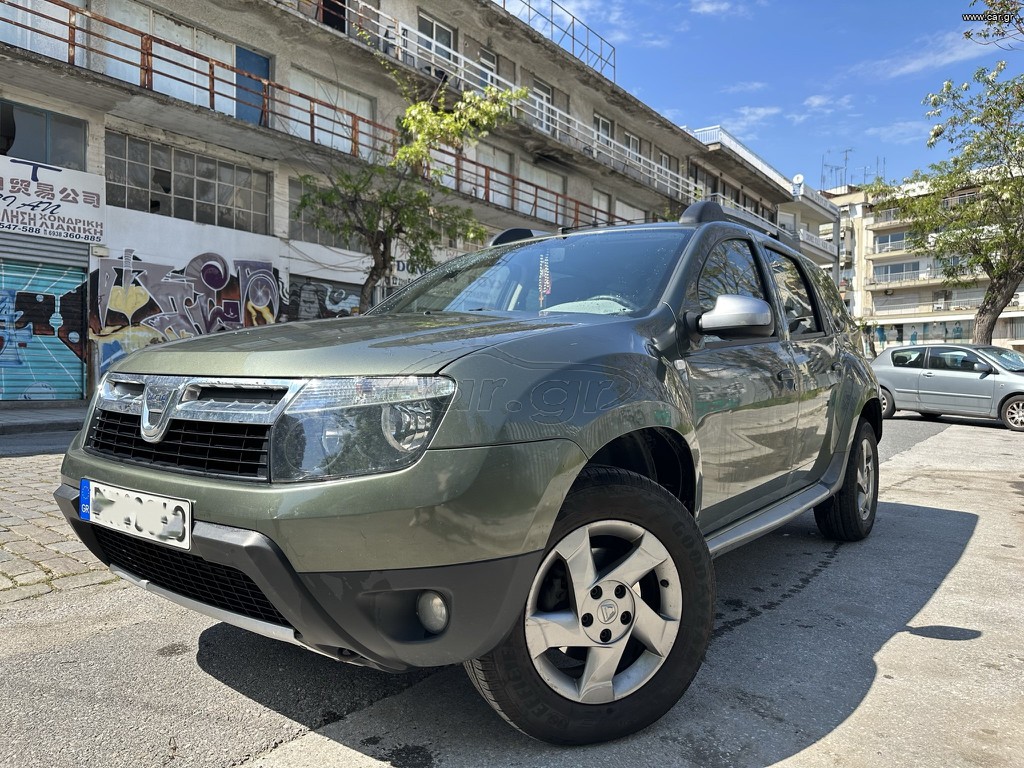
798,179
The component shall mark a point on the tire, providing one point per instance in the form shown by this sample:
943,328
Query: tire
1012,413
593,657
888,403
850,514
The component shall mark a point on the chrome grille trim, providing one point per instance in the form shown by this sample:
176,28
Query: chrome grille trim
127,393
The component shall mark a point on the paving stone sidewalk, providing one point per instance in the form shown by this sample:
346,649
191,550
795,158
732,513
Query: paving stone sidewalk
38,551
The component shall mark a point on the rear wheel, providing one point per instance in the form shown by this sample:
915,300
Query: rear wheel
888,403
1012,413
850,514
617,620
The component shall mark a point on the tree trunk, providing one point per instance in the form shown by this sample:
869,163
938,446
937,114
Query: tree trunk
377,271
998,295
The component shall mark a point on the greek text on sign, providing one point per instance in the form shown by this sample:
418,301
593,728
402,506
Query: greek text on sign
47,201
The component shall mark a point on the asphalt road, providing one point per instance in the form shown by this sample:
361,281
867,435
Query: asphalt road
902,650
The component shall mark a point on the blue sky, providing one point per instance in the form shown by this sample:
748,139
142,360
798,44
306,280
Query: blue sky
798,81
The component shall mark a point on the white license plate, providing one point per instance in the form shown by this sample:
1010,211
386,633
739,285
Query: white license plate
156,518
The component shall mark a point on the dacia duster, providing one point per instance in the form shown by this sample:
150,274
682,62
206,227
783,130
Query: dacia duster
524,461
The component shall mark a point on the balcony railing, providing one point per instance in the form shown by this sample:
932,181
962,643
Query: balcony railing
409,46
559,25
919,308
884,248
718,135
82,38
745,213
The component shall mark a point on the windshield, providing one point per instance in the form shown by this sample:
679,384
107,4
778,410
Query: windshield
605,272
1010,360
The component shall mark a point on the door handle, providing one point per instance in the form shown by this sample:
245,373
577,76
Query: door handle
929,374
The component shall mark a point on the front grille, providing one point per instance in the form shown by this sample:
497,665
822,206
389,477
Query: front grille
202,447
189,575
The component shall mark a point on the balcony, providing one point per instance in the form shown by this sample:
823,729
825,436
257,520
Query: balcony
819,249
827,210
760,222
718,135
926,308
886,249
559,25
409,46
888,218
88,40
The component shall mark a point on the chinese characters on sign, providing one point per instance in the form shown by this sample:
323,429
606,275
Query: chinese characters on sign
43,200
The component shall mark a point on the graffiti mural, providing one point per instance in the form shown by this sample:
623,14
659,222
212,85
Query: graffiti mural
138,302
313,298
42,329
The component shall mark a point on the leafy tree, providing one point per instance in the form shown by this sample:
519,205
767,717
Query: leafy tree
1003,24
968,211
399,201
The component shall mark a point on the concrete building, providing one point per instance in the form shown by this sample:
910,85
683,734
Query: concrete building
902,296
150,157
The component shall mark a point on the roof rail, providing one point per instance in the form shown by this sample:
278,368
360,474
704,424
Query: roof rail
704,211
516,233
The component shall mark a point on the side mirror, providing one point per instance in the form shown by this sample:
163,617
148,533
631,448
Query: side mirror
736,317
983,368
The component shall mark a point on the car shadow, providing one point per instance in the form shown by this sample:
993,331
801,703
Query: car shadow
799,622
969,421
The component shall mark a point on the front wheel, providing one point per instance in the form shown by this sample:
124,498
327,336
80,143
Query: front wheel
1012,413
618,617
850,514
888,402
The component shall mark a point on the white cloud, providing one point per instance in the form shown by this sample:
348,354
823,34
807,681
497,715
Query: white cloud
929,53
821,105
900,132
748,119
710,7
747,86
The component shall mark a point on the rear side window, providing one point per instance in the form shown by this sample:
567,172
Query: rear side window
797,297
908,358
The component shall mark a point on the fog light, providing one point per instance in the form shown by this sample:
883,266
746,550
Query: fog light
432,612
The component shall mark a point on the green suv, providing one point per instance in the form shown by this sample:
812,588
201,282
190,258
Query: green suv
524,461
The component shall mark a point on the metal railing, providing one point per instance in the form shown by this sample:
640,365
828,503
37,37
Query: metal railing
408,45
883,248
60,30
716,134
746,213
917,307
562,27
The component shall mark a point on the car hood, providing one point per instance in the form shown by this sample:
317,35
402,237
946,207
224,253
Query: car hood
370,345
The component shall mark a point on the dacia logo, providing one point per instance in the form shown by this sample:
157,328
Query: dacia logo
158,403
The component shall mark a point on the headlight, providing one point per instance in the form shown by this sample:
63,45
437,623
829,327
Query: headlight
357,426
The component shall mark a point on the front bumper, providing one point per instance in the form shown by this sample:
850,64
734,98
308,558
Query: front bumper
365,617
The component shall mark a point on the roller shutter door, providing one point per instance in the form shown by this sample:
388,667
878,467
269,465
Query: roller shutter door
42,318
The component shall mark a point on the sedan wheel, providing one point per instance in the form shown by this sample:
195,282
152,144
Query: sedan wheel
1012,413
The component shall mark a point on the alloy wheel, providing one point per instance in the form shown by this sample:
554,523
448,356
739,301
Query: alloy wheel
603,612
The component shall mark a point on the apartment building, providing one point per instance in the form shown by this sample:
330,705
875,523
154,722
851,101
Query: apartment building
150,157
902,295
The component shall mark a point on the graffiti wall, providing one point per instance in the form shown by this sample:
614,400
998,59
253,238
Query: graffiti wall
42,329
312,298
137,300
